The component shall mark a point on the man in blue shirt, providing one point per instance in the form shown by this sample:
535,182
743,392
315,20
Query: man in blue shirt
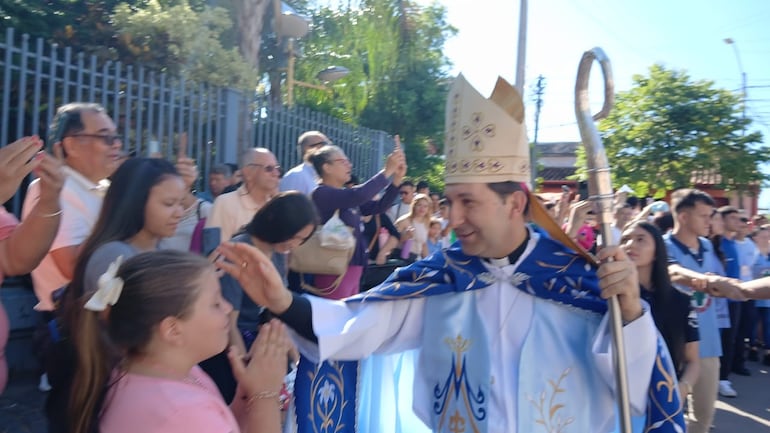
729,333
688,248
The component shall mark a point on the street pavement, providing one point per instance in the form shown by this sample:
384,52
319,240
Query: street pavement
750,411
21,405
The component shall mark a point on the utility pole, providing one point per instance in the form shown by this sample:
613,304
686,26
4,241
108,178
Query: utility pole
521,54
539,91
731,41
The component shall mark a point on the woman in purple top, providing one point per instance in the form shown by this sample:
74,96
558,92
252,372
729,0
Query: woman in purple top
334,169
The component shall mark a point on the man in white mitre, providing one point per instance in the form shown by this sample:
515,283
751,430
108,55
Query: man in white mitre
506,331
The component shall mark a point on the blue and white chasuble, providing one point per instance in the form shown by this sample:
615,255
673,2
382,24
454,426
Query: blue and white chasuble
448,376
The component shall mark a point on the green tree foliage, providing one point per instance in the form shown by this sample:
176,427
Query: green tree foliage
667,131
183,41
398,80
182,37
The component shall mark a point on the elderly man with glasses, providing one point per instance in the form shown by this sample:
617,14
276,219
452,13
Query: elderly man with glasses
303,177
92,152
232,210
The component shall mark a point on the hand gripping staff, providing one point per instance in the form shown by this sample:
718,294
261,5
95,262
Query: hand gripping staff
601,195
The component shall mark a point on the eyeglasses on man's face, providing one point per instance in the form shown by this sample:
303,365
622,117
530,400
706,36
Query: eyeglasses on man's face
342,160
267,168
108,140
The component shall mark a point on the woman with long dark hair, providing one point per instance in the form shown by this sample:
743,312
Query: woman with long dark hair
142,206
671,310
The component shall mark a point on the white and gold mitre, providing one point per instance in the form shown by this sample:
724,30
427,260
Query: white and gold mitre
486,139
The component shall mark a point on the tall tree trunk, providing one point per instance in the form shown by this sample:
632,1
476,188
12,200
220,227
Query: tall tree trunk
251,20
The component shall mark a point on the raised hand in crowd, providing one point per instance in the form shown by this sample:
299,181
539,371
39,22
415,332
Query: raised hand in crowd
396,162
185,165
17,160
52,177
563,206
578,213
26,246
644,213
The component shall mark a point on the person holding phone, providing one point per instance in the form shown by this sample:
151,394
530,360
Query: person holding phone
331,196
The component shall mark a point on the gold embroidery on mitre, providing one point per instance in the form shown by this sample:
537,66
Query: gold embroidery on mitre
486,139
474,133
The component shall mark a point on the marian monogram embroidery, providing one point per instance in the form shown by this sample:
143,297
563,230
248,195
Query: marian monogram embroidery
459,393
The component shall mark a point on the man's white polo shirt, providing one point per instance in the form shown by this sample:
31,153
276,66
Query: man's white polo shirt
81,201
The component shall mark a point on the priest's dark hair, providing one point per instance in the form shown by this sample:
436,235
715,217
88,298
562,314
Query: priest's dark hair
504,189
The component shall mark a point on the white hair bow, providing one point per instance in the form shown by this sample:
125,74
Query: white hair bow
110,287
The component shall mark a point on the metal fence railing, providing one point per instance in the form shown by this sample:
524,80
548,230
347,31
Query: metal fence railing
278,129
152,108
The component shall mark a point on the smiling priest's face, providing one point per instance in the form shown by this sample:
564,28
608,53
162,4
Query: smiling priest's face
486,224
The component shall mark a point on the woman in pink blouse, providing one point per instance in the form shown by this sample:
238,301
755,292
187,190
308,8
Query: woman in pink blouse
23,246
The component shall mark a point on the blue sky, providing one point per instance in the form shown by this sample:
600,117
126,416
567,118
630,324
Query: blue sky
681,34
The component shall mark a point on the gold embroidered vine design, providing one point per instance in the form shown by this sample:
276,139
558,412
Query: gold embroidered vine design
549,418
668,383
559,268
327,402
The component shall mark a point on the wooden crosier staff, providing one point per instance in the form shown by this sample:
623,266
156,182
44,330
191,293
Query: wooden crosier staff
602,197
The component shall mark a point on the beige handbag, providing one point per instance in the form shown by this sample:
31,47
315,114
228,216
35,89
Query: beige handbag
327,252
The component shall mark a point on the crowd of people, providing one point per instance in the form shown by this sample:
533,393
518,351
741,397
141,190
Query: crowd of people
167,310
725,246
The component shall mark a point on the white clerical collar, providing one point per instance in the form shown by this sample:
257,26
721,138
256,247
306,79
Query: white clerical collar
505,261
519,254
